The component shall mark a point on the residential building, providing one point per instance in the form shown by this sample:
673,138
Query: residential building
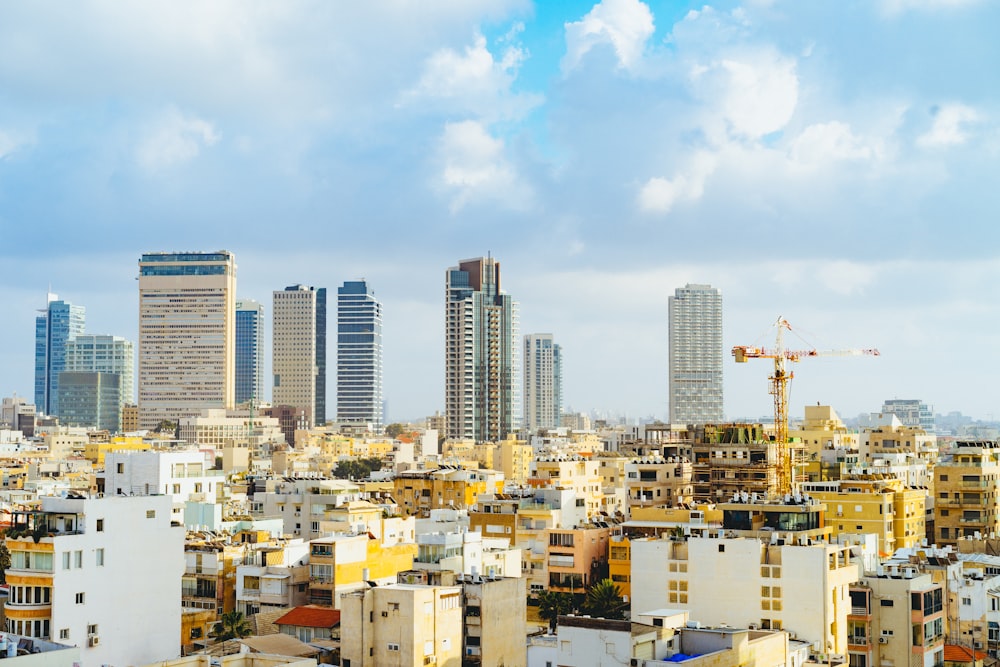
577,557
826,443
272,577
695,355
889,436
58,323
896,617
402,624
359,355
18,415
92,399
653,481
580,474
911,412
736,458
218,428
495,620
298,350
342,563
583,641
76,582
542,383
249,351
482,369
310,623
965,499
209,580
420,491
187,323
96,353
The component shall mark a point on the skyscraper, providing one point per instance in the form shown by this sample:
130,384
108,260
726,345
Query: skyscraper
542,382
299,350
482,369
91,399
58,323
187,326
359,354
93,353
249,351
696,355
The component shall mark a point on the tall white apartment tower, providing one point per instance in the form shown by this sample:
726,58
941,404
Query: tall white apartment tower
695,340
482,368
542,382
187,325
359,354
298,348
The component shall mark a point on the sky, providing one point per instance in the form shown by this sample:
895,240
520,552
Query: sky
832,163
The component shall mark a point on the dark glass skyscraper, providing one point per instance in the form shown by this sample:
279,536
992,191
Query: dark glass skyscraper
359,354
249,350
58,323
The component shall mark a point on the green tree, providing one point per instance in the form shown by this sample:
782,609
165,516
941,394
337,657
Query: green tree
552,605
231,625
4,562
604,600
394,430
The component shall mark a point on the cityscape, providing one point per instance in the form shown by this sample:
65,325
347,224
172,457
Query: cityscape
707,382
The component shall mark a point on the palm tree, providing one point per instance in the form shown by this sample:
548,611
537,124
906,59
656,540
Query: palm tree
552,605
232,625
604,600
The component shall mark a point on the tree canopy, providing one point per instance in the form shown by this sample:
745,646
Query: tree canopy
357,468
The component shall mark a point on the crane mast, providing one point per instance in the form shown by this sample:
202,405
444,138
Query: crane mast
778,388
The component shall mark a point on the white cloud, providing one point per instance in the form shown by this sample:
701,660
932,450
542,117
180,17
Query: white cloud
660,195
624,24
474,80
950,127
832,141
760,93
476,169
174,138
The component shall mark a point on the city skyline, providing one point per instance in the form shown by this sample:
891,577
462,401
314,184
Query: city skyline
817,162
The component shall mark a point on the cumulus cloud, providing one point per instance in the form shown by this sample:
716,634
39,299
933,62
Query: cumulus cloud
832,141
625,25
660,195
474,79
950,127
476,169
174,138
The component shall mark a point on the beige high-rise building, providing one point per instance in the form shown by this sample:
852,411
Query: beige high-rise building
187,323
298,351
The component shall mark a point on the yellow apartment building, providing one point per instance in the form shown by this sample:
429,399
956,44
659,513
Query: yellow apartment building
420,491
965,492
581,474
516,457
343,563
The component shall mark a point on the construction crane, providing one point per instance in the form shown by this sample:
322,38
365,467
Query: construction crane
779,389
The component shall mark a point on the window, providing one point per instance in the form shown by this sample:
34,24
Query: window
64,633
120,469
150,514
78,559
66,560
79,598
885,603
92,629
100,525
100,557
392,647
722,548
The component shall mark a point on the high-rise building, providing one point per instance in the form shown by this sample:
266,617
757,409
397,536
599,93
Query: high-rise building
90,398
359,354
95,353
542,382
58,323
482,383
299,350
187,326
249,351
695,355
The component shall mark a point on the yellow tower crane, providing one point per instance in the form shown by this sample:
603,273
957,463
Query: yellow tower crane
779,389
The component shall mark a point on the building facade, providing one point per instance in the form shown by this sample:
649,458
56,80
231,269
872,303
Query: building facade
93,353
542,382
249,351
359,355
187,323
58,323
298,350
695,355
90,399
911,412
482,386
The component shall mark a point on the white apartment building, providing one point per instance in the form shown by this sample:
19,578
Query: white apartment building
298,350
277,579
187,326
465,552
743,582
182,475
304,504
218,428
542,382
102,568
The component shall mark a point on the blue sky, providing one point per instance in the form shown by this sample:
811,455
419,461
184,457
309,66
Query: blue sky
834,163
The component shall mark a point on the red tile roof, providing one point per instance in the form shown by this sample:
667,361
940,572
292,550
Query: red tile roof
311,616
956,653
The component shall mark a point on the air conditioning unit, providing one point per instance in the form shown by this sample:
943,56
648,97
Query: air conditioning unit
93,640
634,662
754,626
883,640
430,659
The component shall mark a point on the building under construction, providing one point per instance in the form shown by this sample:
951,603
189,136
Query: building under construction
732,458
